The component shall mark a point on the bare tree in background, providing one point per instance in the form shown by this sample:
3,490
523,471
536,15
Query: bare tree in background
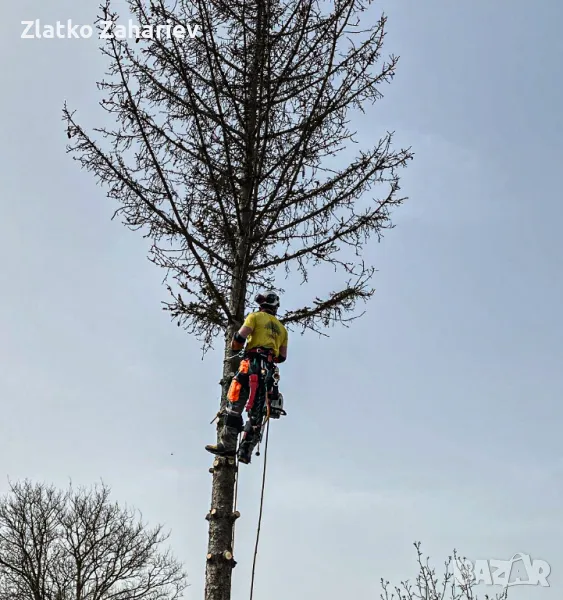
227,153
456,584
77,545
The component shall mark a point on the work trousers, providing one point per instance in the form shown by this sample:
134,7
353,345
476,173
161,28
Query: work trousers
257,372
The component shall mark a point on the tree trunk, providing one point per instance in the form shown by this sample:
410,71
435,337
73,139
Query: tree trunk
220,560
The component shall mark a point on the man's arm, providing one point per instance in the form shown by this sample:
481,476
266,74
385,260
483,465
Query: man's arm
237,343
282,355
239,338
283,350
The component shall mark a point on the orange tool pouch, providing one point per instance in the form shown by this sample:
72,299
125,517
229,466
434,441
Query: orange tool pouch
234,391
238,380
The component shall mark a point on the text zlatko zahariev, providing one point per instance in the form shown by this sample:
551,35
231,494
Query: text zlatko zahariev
106,30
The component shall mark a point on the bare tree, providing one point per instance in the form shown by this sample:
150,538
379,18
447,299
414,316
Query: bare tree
227,153
77,545
456,583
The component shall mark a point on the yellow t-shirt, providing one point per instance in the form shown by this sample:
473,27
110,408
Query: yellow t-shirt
267,331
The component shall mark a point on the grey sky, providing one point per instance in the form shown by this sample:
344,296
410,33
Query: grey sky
436,417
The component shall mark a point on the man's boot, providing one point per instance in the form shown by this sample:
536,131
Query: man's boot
245,454
248,443
230,425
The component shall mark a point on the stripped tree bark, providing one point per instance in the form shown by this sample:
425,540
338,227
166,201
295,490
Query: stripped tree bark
224,154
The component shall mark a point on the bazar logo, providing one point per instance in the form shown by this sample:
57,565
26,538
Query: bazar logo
519,570
108,30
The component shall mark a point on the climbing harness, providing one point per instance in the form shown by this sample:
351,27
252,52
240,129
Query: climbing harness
261,380
263,360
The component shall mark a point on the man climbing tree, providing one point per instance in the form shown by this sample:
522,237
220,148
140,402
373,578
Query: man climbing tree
254,385
228,150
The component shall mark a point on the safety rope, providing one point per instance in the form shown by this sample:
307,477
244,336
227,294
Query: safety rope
267,423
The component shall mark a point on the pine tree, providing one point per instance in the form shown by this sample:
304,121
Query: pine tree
227,154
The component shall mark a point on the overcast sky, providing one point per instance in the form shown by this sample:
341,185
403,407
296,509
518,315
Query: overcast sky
436,417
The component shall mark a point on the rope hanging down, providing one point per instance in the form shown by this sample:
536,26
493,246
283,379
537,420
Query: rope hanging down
261,507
